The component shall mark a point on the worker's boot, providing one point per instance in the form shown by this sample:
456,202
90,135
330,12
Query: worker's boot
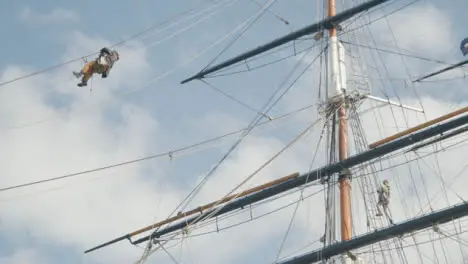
379,212
81,84
77,74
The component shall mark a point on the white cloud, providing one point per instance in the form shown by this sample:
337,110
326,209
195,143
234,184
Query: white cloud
422,28
24,256
56,15
85,211
105,205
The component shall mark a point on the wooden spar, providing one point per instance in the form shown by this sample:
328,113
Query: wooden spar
315,175
224,200
418,127
199,209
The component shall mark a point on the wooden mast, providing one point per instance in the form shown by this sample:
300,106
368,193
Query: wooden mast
344,183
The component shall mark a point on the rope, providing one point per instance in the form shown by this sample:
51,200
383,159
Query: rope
254,122
234,99
159,77
245,180
399,53
167,153
114,45
191,25
245,221
247,26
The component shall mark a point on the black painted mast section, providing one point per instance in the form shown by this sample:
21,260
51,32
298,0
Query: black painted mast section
416,224
318,174
443,70
441,138
324,24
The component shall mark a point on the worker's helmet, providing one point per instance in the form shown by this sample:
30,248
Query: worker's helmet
386,182
105,51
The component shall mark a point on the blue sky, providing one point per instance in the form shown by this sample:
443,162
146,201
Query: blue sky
79,129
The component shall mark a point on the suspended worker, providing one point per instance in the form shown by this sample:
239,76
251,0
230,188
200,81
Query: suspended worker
464,46
384,199
101,65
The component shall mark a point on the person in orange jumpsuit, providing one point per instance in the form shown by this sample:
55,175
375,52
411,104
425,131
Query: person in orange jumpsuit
101,65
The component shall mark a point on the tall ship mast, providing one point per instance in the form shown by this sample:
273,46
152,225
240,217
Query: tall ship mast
338,105
355,191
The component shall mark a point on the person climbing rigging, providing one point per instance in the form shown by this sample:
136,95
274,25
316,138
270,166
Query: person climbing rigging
101,65
384,199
